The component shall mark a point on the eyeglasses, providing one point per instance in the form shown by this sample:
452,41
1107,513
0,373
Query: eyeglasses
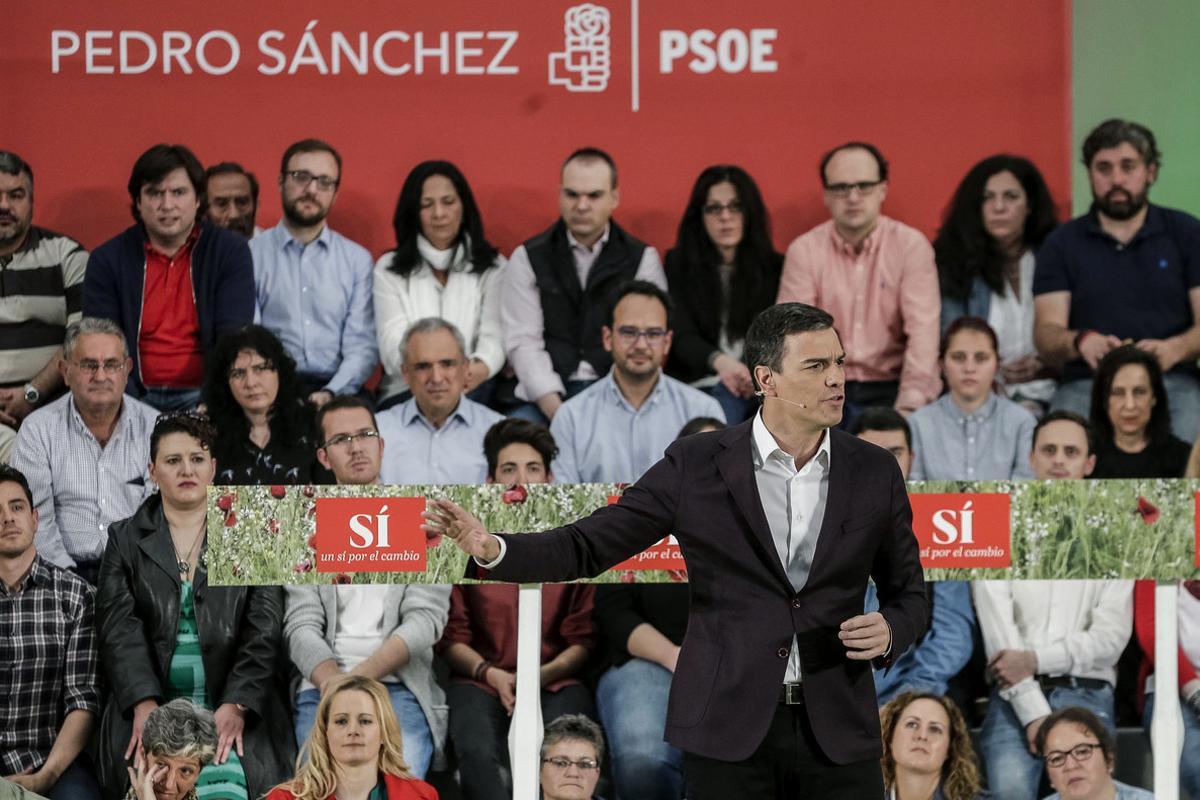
715,209
1080,752
629,334
301,178
344,439
239,373
112,366
559,762
844,189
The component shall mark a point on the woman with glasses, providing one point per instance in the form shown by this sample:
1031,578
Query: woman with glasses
259,406
572,753
722,271
1000,214
927,753
444,267
165,633
1080,753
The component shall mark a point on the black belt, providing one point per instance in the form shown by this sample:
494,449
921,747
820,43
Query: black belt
791,694
1071,682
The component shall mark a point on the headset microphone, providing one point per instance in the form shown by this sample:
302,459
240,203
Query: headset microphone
765,396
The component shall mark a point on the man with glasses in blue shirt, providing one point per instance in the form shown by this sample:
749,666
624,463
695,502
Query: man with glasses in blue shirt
314,285
618,427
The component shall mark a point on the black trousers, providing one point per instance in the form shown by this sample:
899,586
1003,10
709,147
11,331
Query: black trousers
787,765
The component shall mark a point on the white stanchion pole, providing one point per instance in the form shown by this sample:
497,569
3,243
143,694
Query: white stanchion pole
525,732
1166,731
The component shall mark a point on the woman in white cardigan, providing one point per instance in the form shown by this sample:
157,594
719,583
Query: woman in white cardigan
442,266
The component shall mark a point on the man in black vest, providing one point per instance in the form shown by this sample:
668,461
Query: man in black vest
561,283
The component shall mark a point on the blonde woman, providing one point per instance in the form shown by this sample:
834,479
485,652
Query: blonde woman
354,750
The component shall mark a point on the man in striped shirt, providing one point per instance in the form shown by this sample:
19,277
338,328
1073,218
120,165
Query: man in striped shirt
41,283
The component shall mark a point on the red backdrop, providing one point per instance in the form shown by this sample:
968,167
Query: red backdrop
937,85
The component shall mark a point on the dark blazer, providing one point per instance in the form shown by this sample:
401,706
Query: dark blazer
137,618
743,609
222,284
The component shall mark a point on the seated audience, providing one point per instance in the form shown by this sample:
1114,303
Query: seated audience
876,276
927,752
618,427
261,412
313,285
560,284
945,648
49,698
1131,415
85,453
1188,671
355,749
572,754
443,267
480,642
166,633
385,633
41,294
1080,752
232,198
1125,271
1049,644
722,271
971,433
173,281
998,217
179,740
436,436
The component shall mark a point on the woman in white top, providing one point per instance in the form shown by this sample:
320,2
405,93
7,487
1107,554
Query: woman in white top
442,266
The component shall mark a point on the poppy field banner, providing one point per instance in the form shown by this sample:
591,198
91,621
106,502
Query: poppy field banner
1023,530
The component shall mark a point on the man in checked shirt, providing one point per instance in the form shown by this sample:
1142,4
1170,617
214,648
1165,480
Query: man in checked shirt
48,695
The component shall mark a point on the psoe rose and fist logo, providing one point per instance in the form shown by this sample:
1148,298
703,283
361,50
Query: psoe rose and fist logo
962,530
370,534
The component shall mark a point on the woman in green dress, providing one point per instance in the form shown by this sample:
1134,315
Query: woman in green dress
165,633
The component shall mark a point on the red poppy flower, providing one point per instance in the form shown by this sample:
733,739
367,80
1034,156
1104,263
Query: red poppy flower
628,576
341,577
230,519
312,542
279,492
303,566
273,526
514,494
1148,511
308,491
432,540
225,502
677,575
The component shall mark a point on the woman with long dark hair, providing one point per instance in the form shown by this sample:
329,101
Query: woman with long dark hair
442,266
722,271
1001,212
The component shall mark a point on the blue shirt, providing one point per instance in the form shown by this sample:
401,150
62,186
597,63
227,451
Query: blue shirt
416,452
601,438
1133,291
992,444
941,653
317,299
1124,792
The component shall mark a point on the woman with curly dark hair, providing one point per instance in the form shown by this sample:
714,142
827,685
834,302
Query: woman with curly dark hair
1000,214
927,752
259,406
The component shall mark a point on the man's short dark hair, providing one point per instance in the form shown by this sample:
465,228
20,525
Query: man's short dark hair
341,403
1115,132
882,418
698,424
13,475
768,332
13,164
1062,415
160,161
1079,716
880,161
645,289
594,154
310,146
232,168
518,431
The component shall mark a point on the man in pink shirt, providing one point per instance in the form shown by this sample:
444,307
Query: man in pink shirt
877,277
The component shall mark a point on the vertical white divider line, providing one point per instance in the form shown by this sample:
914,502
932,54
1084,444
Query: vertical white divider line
1166,731
633,26
525,732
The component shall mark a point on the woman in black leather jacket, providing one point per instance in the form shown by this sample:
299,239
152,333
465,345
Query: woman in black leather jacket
165,633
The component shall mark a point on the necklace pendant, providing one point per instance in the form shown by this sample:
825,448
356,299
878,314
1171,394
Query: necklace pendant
183,567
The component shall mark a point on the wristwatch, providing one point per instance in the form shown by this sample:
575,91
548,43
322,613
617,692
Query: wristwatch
32,395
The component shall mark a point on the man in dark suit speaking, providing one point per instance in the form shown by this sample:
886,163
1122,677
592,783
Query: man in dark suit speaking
781,520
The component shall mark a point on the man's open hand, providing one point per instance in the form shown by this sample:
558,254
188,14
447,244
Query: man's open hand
447,518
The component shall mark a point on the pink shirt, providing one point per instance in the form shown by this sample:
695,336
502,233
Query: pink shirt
885,302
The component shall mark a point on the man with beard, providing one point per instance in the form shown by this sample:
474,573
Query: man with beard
314,285
1127,271
232,198
41,283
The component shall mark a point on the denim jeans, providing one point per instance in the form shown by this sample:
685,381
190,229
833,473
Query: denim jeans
1013,773
1189,761
737,409
415,735
632,701
78,782
164,398
1183,395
